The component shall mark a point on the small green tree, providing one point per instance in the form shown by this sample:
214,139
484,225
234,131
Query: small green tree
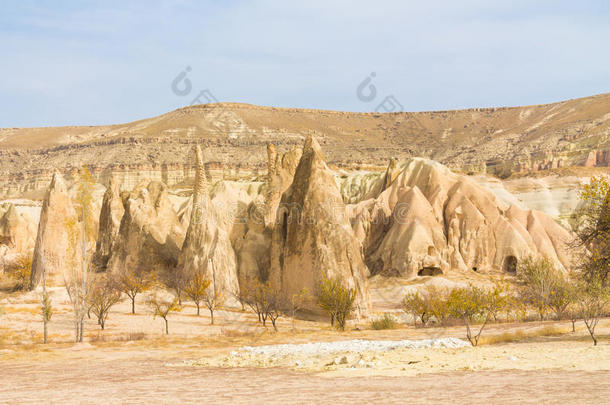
593,302
469,304
336,300
417,306
539,279
46,309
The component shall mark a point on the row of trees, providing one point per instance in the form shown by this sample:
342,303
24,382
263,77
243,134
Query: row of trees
541,288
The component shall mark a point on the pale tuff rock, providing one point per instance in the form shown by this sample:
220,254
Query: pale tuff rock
17,231
53,252
280,172
207,245
109,224
17,234
150,235
430,221
313,237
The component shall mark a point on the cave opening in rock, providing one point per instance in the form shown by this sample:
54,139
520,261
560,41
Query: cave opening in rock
431,251
510,264
430,271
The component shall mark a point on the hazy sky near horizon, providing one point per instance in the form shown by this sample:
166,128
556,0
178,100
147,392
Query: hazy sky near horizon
104,62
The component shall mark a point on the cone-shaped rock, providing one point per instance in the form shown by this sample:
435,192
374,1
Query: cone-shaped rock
16,231
313,237
52,252
207,246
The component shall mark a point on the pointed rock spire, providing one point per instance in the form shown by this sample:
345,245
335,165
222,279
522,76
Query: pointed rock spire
313,238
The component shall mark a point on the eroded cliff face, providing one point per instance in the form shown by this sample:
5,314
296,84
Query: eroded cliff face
313,238
150,235
430,221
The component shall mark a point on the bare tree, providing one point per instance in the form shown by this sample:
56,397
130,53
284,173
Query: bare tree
162,307
80,231
102,295
214,298
196,288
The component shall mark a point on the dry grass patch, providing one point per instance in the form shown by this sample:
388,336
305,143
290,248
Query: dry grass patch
520,334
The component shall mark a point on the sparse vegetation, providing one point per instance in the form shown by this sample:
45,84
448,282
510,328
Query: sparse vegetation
386,322
162,307
416,305
46,309
543,284
135,281
20,271
103,294
196,288
469,304
336,300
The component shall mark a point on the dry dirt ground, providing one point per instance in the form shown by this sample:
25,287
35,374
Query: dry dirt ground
133,362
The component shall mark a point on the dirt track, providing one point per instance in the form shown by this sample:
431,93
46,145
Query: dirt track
141,380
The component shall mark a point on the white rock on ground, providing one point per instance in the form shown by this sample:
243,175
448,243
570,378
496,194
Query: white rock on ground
356,345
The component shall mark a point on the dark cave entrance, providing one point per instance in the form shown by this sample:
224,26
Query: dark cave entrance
510,264
430,271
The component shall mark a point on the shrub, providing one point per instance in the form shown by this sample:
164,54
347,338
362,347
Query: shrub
336,300
543,285
387,322
20,271
417,305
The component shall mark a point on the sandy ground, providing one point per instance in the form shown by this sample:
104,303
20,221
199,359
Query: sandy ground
133,362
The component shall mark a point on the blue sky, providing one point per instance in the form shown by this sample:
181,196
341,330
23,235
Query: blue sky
101,62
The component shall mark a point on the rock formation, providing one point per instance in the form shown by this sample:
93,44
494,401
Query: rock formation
313,237
150,235
430,221
280,173
53,252
109,223
207,245
16,231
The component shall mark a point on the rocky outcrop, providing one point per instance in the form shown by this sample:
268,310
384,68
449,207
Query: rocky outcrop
16,231
109,224
150,235
207,245
17,234
280,173
53,252
431,221
313,238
